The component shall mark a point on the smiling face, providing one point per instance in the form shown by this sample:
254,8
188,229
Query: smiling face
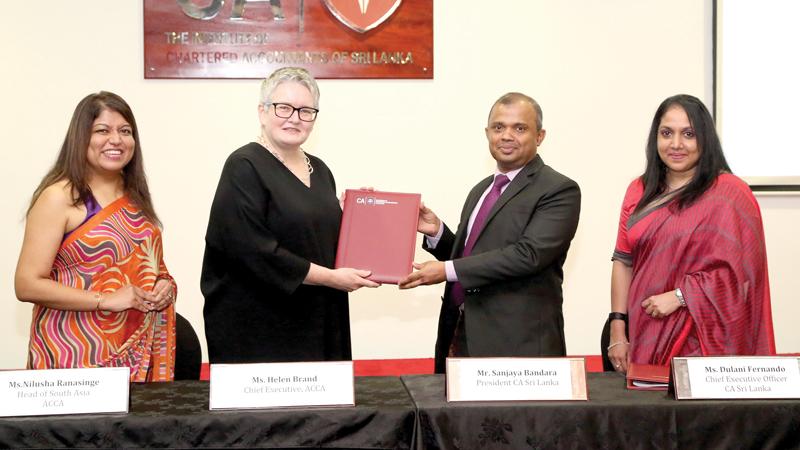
111,145
677,143
512,134
286,134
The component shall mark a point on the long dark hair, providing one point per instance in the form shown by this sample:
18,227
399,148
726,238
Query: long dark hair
71,163
709,166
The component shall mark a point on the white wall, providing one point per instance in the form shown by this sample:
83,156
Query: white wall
599,69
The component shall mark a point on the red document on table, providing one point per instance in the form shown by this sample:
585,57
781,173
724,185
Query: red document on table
647,377
378,233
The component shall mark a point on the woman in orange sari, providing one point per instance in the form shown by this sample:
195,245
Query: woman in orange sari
91,260
690,265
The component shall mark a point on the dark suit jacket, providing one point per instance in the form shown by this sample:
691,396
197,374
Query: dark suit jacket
513,277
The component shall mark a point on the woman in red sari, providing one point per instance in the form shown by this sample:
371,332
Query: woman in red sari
91,260
690,267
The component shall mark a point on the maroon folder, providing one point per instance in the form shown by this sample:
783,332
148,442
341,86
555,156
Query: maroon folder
378,233
647,377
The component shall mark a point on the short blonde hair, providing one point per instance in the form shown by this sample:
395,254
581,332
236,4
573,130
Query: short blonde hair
293,74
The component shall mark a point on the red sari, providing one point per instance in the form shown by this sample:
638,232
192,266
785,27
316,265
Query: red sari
714,252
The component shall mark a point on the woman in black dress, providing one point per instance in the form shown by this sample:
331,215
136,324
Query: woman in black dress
270,291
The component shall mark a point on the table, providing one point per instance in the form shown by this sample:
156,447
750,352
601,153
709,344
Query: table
176,415
411,412
614,418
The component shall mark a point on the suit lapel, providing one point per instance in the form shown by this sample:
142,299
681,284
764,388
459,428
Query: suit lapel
469,206
521,181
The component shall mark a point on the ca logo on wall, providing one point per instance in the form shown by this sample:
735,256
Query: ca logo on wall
250,38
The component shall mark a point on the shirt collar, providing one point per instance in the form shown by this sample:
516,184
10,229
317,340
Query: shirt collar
510,174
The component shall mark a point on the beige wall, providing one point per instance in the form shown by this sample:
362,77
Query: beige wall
599,69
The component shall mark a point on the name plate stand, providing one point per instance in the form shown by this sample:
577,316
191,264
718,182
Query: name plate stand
736,377
514,379
64,391
278,385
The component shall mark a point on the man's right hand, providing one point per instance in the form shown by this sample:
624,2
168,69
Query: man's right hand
427,273
428,223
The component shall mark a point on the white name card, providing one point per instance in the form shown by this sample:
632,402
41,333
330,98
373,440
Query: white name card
492,379
273,385
736,377
64,391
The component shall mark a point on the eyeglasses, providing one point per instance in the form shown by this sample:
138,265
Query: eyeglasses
285,110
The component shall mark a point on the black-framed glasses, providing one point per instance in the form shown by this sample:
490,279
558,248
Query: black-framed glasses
285,110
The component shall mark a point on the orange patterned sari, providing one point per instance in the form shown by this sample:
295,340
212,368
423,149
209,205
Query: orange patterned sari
116,247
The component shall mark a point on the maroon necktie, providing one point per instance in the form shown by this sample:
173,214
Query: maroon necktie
457,293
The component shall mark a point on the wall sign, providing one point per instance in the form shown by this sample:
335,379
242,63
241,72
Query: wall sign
251,38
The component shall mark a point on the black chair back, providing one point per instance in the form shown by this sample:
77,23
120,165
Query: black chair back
188,355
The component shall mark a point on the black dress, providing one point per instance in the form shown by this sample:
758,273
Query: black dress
264,229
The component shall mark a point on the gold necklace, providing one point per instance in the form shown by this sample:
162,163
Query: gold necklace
309,168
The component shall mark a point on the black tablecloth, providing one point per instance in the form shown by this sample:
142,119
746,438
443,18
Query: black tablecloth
176,415
613,418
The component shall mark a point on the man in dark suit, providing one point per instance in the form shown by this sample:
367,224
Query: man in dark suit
503,266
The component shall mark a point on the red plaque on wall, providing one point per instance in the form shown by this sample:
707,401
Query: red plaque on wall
251,38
